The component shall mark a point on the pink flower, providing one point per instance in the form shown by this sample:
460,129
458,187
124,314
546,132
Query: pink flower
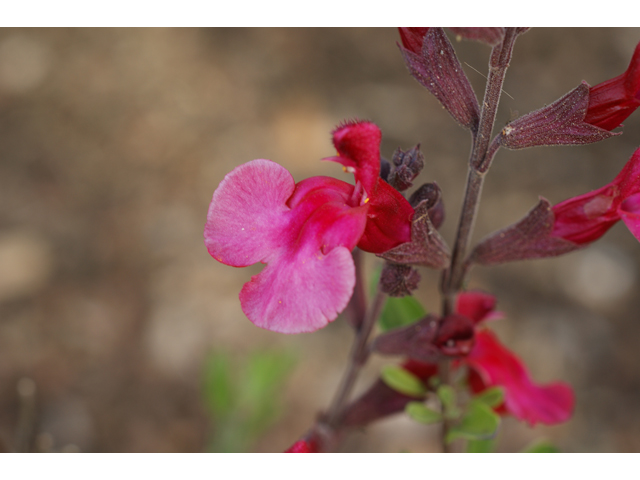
305,232
586,218
611,102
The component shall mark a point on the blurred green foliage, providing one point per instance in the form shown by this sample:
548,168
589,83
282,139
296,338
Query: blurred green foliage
399,312
243,396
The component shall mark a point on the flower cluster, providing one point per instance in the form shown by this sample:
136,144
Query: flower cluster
305,233
489,364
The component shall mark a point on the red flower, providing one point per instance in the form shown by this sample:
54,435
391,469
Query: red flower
303,446
611,102
490,364
497,366
586,218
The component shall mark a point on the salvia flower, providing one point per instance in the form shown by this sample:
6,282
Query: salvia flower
494,365
490,364
549,231
586,218
612,101
305,232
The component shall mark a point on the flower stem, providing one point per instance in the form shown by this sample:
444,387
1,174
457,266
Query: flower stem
357,358
479,163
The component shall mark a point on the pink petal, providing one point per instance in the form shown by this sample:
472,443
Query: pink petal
497,366
477,306
248,213
630,213
311,280
304,233
300,294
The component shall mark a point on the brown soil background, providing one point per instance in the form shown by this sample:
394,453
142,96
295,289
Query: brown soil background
111,145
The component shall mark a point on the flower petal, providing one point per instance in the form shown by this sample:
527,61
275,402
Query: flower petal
612,101
303,446
585,218
248,213
630,213
307,284
497,366
389,223
477,306
358,146
300,295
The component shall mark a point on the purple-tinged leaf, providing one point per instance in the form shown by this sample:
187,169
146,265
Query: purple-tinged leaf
440,72
416,341
426,248
561,123
528,238
431,193
398,280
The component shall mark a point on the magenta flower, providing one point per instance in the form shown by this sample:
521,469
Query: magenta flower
495,365
611,102
586,218
490,364
303,446
305,232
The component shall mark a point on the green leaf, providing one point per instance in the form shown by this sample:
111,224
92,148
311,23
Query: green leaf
399,312
421,413
480,446
479,422
402,381
492,396
447,396
541,446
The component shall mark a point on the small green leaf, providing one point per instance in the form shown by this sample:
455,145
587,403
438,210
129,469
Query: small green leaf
541,446
447,396
492,396
400,312
480,446
479,422
402,381
421,413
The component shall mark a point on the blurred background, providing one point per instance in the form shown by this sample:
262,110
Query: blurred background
119,333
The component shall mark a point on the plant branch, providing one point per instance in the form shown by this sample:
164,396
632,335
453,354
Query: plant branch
479,163
357,358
